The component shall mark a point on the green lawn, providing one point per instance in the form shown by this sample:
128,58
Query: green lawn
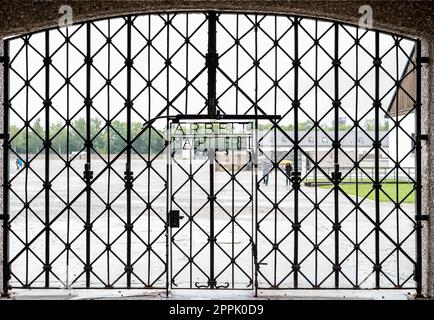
389,188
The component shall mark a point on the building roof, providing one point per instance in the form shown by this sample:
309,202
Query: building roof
401,96
308,139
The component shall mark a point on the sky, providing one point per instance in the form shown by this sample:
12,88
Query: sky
188,63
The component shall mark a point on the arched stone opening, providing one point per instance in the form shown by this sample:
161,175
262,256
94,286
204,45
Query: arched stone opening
416,22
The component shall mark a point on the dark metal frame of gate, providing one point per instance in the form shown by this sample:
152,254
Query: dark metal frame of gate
212,112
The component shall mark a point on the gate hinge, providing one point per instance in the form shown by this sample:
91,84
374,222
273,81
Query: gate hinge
422,217
2,216
424,60
423,137
4,135
3,59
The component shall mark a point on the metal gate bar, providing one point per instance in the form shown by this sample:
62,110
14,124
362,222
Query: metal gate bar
296,173
418,186
376,105
5,213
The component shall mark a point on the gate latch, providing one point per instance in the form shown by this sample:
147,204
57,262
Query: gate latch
174,218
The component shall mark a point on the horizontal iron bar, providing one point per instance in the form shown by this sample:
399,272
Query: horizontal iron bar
225,117
4,135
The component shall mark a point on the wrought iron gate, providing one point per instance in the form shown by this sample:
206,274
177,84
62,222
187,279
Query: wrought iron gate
328,196
213,247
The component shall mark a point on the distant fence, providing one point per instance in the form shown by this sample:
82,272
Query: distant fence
364,175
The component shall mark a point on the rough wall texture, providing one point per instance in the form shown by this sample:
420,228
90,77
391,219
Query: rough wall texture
427,170
404,16
412,18
1,176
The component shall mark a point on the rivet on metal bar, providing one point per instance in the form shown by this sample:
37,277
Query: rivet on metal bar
87,268
88,60
47,267
377,62
296,103
47,185
376,185
88,226
296,267
376,104
377,267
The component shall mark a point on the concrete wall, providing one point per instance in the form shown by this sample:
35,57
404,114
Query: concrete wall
412,18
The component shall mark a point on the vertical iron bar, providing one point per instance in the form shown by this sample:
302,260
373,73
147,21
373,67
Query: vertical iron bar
418,267
190,211
212,66
6,105
357,160
212,62
336,153
169,158
68,169
397,210
128,173
88,153
149,158
256,151
296,185
108,150
190,253
274,158
211,240
26,183
47,159
233,157
377,157
316,156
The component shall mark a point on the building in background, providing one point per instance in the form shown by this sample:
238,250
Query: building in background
401,109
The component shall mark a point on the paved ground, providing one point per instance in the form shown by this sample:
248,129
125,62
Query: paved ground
133,294
275,226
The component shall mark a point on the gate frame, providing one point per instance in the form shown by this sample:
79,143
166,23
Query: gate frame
212,55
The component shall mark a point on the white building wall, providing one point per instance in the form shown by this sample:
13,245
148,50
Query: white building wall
400,143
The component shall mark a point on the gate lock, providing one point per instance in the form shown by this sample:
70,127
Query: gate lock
174,218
